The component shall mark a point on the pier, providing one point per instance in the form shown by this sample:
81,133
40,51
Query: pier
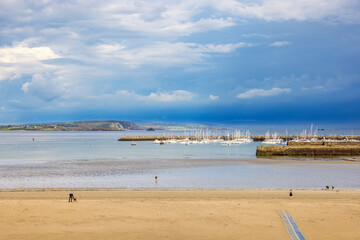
309,150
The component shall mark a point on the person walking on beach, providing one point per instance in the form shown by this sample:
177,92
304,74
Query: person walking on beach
71,197
290,194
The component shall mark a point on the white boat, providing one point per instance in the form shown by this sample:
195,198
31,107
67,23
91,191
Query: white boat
185,141
241,140
133,144
274,139
226,144
171,141
217,140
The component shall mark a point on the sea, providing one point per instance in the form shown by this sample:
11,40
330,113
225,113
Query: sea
74,160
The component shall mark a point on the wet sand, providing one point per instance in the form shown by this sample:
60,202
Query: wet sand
177,214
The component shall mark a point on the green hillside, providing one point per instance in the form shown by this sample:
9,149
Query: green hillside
74,126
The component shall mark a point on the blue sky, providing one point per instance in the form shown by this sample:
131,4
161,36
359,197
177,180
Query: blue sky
269,61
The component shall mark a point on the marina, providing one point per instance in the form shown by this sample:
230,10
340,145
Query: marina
307,144
255,138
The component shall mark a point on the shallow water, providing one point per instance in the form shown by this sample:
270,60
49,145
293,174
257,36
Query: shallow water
98,160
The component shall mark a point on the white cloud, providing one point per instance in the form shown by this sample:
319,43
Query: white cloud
263,93
255,35
95,38
108,49
8,72
165,18
21,59
342,11
188,28
23,54
45,87
169,96
171,18
156,17
313,88
222,48
165,53
213,97
179,95
279,44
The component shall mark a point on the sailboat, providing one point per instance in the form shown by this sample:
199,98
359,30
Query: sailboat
274,139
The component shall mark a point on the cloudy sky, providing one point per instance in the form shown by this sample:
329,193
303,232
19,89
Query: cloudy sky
230,61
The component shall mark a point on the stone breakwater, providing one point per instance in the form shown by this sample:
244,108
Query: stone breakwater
309,150
324,143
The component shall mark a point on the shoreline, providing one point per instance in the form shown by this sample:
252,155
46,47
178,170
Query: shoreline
255,159
180,174
167,190
178,214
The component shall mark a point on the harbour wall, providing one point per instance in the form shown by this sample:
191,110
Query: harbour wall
324,143
308,150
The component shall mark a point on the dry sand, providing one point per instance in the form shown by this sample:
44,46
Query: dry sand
180,214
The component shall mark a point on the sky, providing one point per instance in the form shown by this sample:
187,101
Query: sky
206,61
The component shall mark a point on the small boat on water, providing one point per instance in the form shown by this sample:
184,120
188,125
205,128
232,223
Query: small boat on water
171,141
133,144
225,144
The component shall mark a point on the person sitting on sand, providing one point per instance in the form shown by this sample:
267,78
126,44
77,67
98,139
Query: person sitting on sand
71,197
332,188
290,194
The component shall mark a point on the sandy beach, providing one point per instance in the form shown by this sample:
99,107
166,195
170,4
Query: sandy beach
177,214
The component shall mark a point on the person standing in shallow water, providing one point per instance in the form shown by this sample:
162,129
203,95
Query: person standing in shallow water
290,194
156,178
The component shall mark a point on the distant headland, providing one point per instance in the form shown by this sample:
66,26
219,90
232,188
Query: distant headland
74,126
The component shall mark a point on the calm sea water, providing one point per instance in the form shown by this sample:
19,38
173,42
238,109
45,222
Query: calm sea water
98,160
